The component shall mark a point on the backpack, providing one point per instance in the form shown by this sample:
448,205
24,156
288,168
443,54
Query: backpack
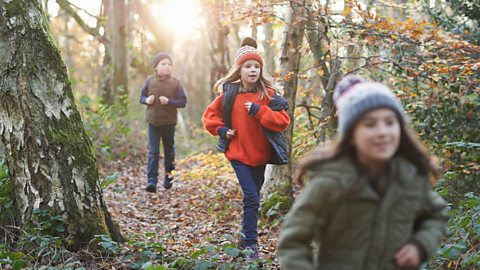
230,91
276,139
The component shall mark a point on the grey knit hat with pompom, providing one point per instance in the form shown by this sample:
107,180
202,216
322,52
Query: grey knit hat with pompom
354,96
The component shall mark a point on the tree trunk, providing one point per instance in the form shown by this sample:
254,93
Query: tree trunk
218,44
106,70
353,51
119,52
48,153
280,178
269,49
327,114
319,42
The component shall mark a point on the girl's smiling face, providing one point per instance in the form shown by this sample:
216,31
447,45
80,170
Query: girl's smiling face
376,137
250,73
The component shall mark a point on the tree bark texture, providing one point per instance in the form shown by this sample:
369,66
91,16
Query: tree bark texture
280,179
46,148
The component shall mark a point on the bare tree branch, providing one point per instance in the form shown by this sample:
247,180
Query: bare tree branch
66,6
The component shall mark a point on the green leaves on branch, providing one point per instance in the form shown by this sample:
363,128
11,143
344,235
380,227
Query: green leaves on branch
462,249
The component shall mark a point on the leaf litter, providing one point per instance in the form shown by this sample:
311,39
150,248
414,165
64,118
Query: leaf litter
203,206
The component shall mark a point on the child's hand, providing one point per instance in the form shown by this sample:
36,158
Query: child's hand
408,256
230,134
150,100
163,100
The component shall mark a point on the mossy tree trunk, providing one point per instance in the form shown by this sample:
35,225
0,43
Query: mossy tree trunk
48,153
279,178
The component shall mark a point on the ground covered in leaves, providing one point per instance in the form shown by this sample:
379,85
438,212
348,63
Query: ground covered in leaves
194,219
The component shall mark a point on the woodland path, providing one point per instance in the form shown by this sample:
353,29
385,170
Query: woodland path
203,205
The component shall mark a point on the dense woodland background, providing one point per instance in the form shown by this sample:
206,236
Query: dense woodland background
426,51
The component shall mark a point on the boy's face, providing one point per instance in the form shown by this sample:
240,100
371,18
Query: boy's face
164,67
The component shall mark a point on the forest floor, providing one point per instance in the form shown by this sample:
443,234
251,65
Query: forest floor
204,207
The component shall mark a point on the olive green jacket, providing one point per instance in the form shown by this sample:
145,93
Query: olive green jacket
360,230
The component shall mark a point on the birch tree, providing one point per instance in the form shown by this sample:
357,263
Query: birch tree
279,177
47,150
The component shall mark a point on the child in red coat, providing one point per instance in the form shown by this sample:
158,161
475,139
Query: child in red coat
249,149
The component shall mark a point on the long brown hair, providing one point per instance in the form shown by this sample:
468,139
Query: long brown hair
409,148
234,76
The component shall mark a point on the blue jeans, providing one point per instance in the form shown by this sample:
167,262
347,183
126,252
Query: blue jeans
166,134
251,180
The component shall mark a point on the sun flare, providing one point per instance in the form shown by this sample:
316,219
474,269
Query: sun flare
182,18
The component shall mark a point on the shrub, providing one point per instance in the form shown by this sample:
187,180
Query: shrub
462,248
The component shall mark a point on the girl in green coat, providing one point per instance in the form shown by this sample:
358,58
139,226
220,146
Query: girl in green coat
368,203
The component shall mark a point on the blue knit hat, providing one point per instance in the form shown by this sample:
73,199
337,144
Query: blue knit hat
354,96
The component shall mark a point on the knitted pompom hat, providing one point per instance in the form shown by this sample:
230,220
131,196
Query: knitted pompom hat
158,57
248,51
354,96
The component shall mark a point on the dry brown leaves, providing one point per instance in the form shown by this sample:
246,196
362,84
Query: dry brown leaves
204,204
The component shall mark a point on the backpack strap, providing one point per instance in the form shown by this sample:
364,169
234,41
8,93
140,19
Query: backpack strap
230,91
